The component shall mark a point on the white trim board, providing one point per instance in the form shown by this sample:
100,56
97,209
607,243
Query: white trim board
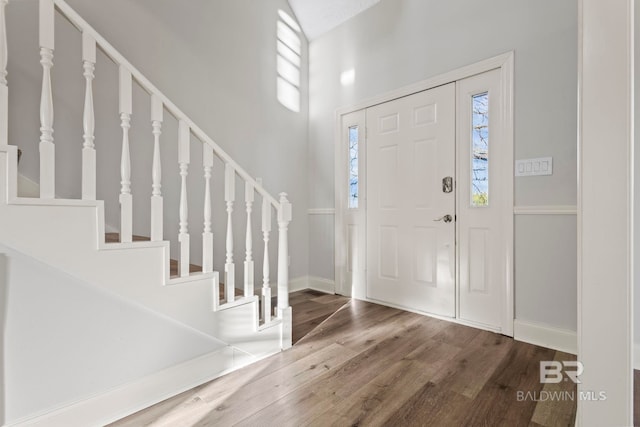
314,283
112,405
322,211
546,210
606,210
546,336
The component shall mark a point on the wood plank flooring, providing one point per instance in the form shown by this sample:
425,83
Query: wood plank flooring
370,365
310,309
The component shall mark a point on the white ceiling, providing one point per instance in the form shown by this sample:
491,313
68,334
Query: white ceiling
317,17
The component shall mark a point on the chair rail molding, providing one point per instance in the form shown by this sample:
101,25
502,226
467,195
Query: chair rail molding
321,211
546,210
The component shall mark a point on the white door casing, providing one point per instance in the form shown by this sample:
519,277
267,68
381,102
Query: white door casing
357,287
482,255
410,150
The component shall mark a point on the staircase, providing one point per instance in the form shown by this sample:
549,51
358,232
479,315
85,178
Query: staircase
69,234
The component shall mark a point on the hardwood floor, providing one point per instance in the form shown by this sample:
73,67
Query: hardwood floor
370,365
310,309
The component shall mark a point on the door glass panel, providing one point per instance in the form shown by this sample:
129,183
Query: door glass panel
353,167
480,150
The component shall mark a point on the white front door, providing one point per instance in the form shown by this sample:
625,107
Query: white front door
411,201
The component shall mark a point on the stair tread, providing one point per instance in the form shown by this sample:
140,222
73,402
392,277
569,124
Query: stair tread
173,264
115,238
173,268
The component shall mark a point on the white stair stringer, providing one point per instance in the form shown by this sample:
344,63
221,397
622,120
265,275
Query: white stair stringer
38,388
244,311
120,402
69,235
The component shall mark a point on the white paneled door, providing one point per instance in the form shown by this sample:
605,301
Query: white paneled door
411,201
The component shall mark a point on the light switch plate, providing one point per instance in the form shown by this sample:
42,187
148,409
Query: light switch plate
534,167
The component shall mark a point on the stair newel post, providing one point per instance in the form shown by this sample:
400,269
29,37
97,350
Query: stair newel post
229,196
47,149
4,88
126,198
248,263
284,310
207,235
88,119
266,287
284,217
184,139
157,208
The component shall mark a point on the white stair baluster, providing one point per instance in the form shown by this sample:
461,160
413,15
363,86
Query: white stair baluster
47,149
248,263
266,287
126,199
184,139
4,89
157,208
88,120
207,235
229,196
284,217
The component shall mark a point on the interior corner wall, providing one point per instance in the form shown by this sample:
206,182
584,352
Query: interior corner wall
214,59
400,42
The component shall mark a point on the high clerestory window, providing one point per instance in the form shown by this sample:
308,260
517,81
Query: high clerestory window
289,51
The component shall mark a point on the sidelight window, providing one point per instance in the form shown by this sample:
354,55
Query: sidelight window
480,150
353,167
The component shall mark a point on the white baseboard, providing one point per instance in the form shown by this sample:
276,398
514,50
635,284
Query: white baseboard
120,402
546,336
299,284
322,285
315,283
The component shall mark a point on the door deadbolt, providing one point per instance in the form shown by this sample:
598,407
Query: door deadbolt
446,218
447,184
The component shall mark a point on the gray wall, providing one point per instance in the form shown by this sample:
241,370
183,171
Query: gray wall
399,42
65,340
216,60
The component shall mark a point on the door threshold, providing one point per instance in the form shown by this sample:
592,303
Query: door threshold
456,320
